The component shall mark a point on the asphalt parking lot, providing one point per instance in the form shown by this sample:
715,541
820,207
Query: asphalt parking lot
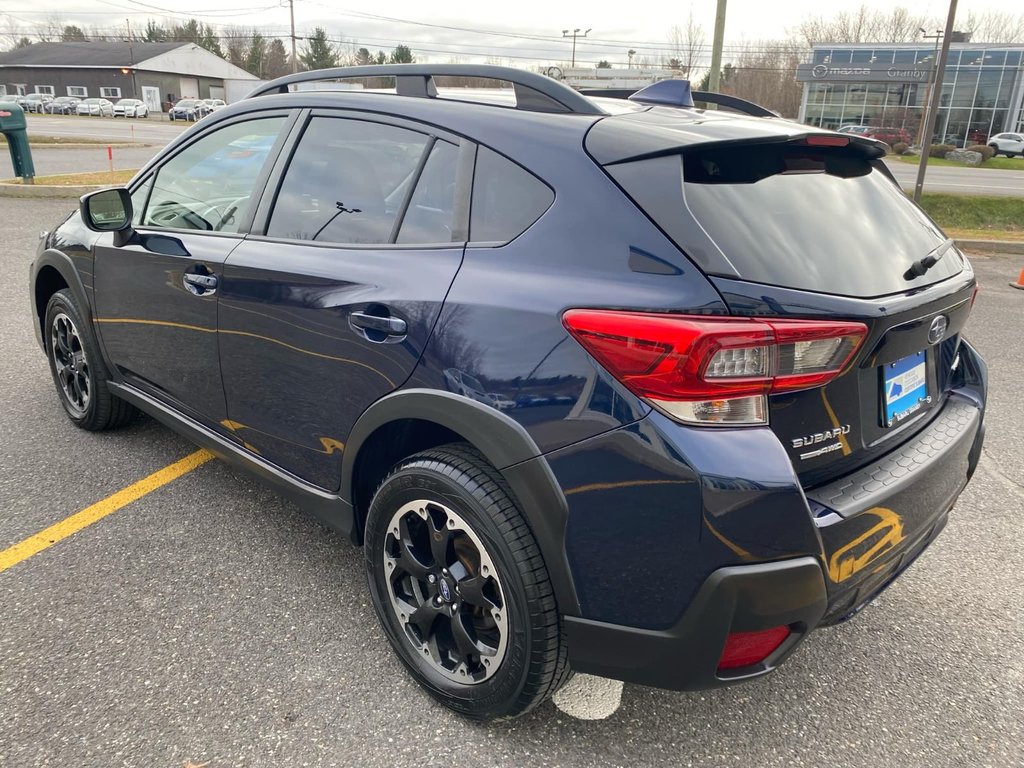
211,623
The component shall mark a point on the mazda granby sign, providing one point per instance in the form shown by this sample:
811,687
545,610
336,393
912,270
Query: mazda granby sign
861,73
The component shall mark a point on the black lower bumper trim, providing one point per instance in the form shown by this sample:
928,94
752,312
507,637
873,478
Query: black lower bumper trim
742,598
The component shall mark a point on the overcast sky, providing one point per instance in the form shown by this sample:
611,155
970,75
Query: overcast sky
502,29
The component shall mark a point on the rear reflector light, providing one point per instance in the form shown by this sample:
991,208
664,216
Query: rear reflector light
825,140
714,370
745,648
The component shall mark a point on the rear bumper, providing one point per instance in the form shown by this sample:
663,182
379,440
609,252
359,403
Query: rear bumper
862,531
741,598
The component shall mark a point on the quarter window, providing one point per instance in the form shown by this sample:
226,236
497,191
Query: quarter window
506,199
209,185
346,182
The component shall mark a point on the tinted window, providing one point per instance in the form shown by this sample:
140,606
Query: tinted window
209,184
346,182
506,199
428,218
814,219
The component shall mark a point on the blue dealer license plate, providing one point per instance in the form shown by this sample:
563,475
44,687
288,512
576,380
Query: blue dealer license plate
904,388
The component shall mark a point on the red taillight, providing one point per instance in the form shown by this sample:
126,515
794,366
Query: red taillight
698,368
745,648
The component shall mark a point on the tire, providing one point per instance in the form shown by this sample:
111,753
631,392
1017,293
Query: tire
494,584
77,369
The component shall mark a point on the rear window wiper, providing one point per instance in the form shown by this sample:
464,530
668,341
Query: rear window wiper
925,263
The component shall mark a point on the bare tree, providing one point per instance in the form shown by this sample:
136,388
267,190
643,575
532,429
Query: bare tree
861,25
687,44
764,73
994,27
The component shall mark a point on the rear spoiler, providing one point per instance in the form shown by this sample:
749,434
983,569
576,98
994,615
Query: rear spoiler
677,93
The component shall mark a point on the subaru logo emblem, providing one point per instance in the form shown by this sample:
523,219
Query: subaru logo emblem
937,330
446,591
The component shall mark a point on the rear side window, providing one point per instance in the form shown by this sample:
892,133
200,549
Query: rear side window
817,219
506,199
346,182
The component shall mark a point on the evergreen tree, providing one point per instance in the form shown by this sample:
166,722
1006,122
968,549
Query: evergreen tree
319,52
402,55
154,33
276,62
73,34
363,57
256,55
382,58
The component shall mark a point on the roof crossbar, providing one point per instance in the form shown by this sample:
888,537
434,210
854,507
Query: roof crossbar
534,92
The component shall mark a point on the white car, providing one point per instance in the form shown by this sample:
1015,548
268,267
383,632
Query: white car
96,107
213,105
130,108
1008,144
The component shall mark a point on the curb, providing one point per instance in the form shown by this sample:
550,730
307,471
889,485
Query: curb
69,191
996,246
88,145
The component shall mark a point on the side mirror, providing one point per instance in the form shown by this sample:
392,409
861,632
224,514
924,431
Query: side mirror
108,210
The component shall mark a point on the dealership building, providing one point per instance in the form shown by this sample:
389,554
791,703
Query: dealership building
886,86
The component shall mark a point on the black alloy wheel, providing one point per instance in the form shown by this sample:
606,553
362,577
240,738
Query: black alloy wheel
460,587
78,370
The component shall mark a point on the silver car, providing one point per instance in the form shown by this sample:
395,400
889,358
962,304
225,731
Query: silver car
96,107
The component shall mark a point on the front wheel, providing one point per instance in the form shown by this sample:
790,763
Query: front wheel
77,369
460,587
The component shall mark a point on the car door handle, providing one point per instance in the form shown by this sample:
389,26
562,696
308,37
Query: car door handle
200,285
392,326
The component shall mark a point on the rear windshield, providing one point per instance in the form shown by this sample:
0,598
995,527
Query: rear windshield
817,219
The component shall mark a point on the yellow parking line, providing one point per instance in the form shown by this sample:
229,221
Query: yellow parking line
72,524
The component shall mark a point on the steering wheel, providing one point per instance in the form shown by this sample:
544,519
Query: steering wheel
168,211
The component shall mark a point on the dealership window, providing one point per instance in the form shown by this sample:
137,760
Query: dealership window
110,93
20,90
47,89
78,91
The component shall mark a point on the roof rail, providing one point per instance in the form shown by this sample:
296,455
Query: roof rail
534,92
665,99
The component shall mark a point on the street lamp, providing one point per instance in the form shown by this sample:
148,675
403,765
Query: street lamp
631,53
575,33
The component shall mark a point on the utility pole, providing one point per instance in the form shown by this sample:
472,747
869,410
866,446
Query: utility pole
933,110
716,49
131,58
295,58
575,33
921,140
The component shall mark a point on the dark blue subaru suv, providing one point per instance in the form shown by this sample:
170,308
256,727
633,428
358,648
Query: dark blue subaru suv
624,387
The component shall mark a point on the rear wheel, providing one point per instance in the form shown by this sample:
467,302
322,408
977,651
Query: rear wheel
77,369
460,587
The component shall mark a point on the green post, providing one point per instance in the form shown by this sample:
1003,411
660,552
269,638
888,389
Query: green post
14,129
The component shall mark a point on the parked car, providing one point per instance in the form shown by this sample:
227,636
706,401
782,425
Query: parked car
765,413
1008,144
96,107
212,105
889,135
188,109
35,102
859,130
131,108
62,105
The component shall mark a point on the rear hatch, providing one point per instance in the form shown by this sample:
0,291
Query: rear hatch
791,222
